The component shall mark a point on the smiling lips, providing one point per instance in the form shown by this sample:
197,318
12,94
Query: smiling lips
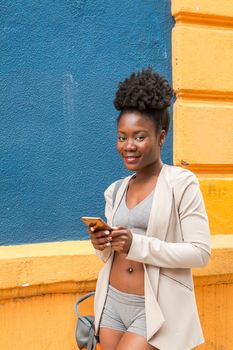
131,159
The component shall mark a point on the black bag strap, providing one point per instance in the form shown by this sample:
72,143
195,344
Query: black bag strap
84,297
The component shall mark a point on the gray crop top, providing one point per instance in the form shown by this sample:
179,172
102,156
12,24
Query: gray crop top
136,218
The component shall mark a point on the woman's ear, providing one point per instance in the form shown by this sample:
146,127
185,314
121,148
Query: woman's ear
162,137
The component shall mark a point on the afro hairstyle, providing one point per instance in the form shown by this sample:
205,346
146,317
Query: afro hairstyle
146,92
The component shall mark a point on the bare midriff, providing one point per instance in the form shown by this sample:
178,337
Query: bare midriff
127,275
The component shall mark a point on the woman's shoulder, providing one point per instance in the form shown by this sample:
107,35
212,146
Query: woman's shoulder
115,185
178,175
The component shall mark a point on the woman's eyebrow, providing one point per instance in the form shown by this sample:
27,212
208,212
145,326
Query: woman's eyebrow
134,132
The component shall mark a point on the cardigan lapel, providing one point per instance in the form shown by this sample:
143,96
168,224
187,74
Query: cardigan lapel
157,227
161,206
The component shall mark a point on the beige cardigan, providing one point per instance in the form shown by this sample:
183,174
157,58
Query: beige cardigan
176,240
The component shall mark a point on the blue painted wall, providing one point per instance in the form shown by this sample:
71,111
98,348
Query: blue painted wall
60,65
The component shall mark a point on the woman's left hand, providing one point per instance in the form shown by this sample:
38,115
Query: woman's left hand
121,239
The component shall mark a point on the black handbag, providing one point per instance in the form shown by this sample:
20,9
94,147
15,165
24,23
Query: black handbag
85,329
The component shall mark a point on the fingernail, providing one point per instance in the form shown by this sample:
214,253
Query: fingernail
108,244
106,232
92,229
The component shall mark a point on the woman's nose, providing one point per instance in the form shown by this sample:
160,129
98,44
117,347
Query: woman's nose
130,145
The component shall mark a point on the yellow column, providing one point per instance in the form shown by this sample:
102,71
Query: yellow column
202,44
203,113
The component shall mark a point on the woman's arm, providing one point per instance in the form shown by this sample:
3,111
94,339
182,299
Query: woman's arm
194,251
105,253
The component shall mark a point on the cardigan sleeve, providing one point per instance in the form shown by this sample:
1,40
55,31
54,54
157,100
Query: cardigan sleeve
194,248
105,254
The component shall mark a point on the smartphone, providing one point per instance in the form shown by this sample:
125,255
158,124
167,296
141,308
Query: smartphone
96,222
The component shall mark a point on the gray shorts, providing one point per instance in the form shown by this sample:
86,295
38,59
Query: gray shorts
124,312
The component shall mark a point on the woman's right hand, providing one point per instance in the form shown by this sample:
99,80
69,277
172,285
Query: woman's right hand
100,239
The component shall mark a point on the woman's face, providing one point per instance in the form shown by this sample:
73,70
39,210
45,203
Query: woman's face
138,142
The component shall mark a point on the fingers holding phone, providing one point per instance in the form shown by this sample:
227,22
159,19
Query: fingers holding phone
100,239
121,239
99,232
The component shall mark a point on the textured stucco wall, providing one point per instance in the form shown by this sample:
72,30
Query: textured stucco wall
41,282
60,65
203,111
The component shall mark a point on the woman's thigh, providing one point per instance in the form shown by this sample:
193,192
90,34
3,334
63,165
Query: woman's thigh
117,340
109,338
133,341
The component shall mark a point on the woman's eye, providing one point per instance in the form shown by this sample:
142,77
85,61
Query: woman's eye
121,138
140,138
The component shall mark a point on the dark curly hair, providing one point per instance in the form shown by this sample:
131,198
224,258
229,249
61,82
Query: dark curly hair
148,93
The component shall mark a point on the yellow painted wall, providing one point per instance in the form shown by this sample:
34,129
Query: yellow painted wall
39,286
214,290
41,282
202,43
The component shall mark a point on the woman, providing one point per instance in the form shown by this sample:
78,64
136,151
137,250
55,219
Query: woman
144,296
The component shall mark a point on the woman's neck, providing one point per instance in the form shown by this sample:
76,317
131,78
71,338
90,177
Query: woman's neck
146,174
